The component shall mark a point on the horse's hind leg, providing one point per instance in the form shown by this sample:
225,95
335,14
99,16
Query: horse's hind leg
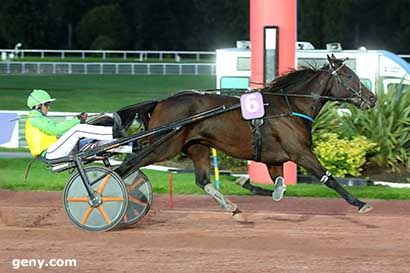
275,173
200,156
245,183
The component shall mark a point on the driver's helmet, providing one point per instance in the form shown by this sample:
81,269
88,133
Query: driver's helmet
37,97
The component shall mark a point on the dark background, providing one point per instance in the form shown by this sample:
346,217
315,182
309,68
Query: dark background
194,24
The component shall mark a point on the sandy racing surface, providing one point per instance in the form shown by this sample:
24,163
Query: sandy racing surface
295,235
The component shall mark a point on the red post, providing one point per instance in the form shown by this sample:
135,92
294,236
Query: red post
171,196
282,14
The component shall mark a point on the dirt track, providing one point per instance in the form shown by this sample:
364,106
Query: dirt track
295,235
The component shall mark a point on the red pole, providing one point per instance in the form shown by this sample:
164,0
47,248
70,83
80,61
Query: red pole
171,196
280,13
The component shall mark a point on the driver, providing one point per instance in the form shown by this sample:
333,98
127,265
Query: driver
50,139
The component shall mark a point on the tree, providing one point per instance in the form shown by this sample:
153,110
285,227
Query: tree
24,21
195,24
220,23
66,15
323,22
104,27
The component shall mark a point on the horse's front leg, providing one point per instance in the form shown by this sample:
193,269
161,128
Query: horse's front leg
199,155
309,161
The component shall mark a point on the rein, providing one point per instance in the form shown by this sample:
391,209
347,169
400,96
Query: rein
339,80
307,96
333,72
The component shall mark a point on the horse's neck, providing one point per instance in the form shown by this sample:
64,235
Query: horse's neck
315,88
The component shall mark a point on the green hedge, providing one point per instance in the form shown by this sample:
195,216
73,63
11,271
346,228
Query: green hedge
388,125
343,156
385,129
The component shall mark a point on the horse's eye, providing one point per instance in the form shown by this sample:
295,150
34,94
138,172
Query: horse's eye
349,77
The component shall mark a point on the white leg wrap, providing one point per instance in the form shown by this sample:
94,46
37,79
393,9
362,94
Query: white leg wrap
219,198
325,177
280,188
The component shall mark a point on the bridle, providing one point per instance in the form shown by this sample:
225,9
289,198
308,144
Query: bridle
357,93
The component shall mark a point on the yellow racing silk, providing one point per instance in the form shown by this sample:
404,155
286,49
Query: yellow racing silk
37,141
42,132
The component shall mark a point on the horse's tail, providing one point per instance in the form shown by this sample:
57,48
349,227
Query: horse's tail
140,111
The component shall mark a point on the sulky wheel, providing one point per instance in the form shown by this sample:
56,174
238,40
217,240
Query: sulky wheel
139,197
112,198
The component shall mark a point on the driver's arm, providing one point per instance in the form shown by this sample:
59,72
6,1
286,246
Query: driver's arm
51,127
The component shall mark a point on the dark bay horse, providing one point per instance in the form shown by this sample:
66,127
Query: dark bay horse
292,99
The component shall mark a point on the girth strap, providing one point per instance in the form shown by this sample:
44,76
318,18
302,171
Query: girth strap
257,143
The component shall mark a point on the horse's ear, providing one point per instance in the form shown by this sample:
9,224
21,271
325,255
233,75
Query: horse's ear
331,60
333,56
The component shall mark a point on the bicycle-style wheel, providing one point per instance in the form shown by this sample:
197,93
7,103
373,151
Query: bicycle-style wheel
139,197
111,193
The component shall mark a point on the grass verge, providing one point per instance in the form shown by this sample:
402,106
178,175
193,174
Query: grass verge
40,179
10,150
96,93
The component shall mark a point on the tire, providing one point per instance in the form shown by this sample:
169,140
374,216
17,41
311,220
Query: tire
111,191
139,197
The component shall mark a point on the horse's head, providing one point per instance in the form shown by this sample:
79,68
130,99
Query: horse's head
347,85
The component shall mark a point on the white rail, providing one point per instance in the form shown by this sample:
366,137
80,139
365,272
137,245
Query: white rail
404,56
140,55
107,68
18,135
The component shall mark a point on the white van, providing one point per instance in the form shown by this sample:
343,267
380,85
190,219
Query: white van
378,69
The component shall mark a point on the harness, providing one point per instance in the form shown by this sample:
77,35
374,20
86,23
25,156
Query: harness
256,124
257,136
256,127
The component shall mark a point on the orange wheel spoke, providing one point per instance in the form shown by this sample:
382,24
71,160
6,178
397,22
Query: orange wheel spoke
86,215
83,199
104,183
104,214
135,200
134,185
112,198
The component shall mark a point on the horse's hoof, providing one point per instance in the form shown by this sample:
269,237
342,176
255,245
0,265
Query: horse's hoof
366,208
240,217
280,188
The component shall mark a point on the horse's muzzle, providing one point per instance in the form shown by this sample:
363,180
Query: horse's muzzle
365,103
370,102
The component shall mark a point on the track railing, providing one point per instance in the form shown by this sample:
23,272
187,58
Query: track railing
139,55
76,68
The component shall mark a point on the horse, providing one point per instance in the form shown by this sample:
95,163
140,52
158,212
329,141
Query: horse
293,101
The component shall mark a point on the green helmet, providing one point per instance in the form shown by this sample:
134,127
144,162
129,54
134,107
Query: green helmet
38,96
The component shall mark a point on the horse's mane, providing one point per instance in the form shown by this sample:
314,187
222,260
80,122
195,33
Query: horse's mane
293,78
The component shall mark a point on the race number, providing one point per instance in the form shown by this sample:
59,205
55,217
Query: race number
252,106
